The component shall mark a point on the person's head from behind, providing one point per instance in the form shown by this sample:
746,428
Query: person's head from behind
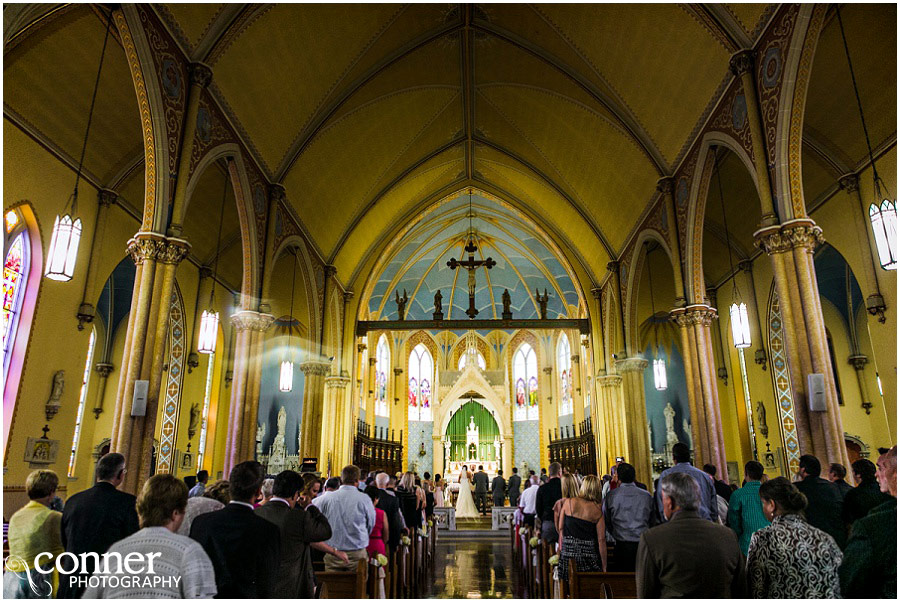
753,471
267,489
569,486
515,470
311,488
679,492
382,480
780,497
392,483
288,485
350,475
372,492
681,453
887,472
203,476
626,473
863,470
162,501
480,468
809,467
534,479
246,481
543,471
219,491
591,489
710,470
111,468
836,472
41,486
555,470
408,481
427,476
332,484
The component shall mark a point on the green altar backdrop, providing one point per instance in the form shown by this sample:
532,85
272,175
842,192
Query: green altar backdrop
488,431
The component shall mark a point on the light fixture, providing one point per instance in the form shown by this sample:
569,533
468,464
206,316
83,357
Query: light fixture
740,322
66,233
659,364
12,220
882,212
209,320
286,379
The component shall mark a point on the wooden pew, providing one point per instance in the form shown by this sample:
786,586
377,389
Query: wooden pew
546,550
344,584
600,585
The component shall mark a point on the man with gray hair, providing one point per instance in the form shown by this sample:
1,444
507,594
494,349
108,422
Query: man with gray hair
388,502
548,494
689,556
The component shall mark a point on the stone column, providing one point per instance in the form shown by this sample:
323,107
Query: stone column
632,371
240,444
370,398
577,396
311,423
866,241
334,418
200,77
666,186
700,371
437,452
742,66
86,311
790,247
612,416
104,369
156,257
276,197
508,455
859,362
204,289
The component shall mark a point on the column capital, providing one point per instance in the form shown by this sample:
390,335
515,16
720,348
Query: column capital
858,361
596,292
609,380
612,266
156,247
347,296
745,265
316,368
548,370
372,361
850,182
360,347
106,197
693,314
330,270
665,185
741,62
632,364
576,358
337,382
794,234
277,192
398,371
251,320
104,369
205,272
201,74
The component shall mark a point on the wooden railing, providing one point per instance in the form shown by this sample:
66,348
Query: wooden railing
374,448
575,449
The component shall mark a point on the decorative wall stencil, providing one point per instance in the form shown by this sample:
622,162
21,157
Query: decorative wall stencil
259,198
681,192
526,446
204,124
175,375
771,67
770,79
171,79
739,112
781,379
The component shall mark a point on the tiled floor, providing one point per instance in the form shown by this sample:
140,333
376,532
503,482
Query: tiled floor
476,568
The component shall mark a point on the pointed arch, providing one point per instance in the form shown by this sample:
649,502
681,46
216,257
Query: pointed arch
525,383
634,280
382,376
564,372
421,383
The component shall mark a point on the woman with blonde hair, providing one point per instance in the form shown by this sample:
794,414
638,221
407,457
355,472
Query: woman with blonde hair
579,522
409,501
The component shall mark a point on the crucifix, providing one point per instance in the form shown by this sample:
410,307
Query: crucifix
471,264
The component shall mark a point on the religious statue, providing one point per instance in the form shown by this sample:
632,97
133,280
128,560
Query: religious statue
260,433
194,420
438,306
686,427
401,304
497,448
447,450
761,419
669,413
277,452
56,391
471,264
650,435
507,302
542,302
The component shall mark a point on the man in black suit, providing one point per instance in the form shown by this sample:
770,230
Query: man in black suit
547,495
513,486
95,519
825,502
481,488
498,489
298,527
244,548
387,501
836,474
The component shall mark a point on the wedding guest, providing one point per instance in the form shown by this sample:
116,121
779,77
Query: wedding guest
628,511
513,486
219,491
352,517
579,521
528,499
837,474
547,496
866,495
745,512
378,538
824,501
200,487
709,506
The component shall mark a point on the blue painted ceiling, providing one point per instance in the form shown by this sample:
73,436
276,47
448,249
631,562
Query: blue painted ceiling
525,263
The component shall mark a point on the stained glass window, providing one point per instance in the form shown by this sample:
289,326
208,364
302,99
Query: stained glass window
525,377
564,369
81,397
421,375
382,365
462,362
15,273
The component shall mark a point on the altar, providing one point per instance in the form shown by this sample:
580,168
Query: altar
481,446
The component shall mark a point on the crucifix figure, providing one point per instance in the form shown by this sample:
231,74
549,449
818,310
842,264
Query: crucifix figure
471,264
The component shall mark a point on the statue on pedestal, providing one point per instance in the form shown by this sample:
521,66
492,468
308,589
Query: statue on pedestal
669,413
277,453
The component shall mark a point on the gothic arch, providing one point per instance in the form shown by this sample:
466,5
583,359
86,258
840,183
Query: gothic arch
309,282
472,380
638,264
459,348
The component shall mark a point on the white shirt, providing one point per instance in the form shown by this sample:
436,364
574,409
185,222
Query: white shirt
528,499
241,503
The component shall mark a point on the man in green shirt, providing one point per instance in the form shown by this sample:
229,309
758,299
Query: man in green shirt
745,514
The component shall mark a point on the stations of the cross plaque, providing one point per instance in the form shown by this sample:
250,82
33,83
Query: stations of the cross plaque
471,264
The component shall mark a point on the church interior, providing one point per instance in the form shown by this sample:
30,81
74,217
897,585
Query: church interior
418,237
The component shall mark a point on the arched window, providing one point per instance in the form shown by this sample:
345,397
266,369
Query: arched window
462,362
884,226
525,377
564,369
421,377
382,365
81,397
15,278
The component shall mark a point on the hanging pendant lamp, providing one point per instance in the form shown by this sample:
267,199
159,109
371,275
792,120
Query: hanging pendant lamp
883,210
286,378
209,320
63,251
659,364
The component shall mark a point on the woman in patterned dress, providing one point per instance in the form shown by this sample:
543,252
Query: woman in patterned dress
579,521
790,558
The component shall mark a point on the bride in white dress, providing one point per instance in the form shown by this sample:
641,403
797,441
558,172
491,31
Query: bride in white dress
465,503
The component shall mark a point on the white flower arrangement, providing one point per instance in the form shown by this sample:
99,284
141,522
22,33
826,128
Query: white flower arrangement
382,560
405,540
423,531
554,560
534,542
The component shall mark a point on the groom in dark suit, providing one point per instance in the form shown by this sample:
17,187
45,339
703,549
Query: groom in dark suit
498,489
481,488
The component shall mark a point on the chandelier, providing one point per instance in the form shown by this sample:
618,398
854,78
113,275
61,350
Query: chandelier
209,320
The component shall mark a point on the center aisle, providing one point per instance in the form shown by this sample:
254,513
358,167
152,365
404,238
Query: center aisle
473,564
